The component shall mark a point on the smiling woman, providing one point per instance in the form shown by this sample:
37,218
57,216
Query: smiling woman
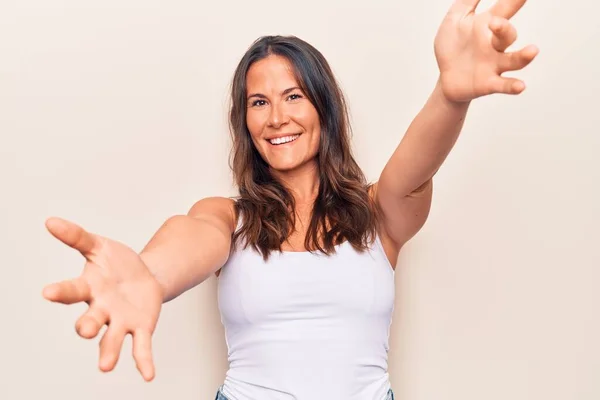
289,124
306,254
279,112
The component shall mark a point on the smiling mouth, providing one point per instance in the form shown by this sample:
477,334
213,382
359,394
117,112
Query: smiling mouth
283,140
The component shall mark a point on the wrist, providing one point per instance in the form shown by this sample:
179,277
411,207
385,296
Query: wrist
146,258
440,97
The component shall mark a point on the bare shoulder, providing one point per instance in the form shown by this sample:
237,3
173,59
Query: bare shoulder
391,248
218,210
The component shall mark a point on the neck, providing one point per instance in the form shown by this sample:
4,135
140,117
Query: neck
302,182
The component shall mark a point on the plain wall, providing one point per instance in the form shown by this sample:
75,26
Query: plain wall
113,115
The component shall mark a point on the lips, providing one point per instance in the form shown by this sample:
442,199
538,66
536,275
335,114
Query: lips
283,139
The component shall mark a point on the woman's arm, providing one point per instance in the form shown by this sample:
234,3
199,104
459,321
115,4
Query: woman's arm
187,249
424,146
405,188
470,51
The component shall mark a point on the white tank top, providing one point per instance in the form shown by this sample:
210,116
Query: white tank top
303,326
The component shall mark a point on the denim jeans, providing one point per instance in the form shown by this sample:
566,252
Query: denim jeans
221,396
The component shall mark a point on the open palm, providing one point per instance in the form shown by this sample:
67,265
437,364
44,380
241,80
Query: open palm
120,291
470,49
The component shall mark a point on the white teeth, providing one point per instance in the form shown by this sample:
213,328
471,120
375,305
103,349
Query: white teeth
284,139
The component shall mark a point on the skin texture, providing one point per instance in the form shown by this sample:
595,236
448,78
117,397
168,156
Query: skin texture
278,107
125,290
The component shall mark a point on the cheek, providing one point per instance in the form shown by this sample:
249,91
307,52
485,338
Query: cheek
254,125
317,141
310,118
312,122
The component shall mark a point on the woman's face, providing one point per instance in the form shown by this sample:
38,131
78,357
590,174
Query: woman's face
283,123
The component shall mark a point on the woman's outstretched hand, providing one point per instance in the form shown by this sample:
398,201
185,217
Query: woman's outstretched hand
120,291
470,50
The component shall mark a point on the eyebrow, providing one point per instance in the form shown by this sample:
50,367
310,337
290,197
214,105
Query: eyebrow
286,91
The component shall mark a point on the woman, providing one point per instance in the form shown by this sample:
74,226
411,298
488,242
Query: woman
305,255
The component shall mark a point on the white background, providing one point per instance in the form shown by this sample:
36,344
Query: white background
113,115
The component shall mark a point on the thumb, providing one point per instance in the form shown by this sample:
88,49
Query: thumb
72,235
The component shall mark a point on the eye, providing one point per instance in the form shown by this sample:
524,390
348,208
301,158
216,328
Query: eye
294,96
256,103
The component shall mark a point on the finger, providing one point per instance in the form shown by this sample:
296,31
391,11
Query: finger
506,8
504,33
142,353
517,60
72,235
500,84
465,6
90,323
110,347
68,292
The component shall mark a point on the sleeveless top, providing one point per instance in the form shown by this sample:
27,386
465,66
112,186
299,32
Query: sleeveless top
306,326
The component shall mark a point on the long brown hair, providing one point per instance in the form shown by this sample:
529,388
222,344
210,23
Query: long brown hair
343,209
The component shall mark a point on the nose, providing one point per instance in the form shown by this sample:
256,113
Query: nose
278,116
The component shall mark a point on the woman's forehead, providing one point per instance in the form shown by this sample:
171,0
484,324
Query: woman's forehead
271,73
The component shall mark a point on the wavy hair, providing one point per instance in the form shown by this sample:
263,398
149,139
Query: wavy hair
343,209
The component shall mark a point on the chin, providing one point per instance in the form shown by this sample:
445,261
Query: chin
293,166
285,167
